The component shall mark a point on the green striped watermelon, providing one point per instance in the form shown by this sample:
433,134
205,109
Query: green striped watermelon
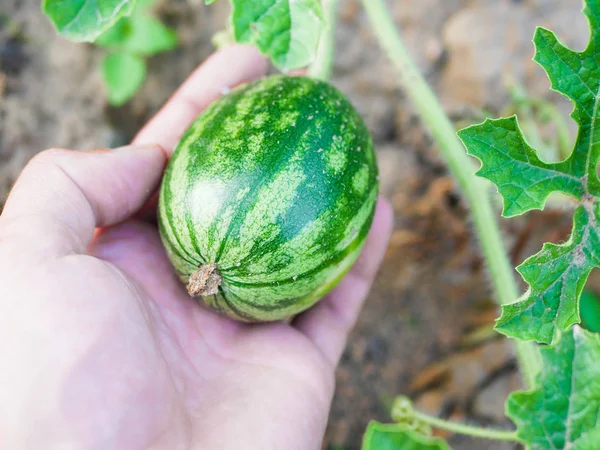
268,197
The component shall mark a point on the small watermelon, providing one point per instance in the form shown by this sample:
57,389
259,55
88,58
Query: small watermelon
268,197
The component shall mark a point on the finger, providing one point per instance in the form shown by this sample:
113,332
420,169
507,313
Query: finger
223,70
330,321
63,195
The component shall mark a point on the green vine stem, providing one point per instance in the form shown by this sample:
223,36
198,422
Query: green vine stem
323,64
461,428
461,166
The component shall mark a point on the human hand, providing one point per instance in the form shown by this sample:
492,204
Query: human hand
102,348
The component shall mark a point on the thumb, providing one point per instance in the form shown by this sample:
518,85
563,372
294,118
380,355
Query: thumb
63,195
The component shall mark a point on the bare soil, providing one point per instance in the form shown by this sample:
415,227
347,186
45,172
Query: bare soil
426,331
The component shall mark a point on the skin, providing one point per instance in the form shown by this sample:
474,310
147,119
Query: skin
101,347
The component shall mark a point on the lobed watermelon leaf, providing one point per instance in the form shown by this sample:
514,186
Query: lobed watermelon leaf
563,409
381,436
85,20
287,31
557,274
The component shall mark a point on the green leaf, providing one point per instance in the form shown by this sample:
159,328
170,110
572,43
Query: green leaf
589,308
381,436
123,74
563,409
142,6
209,2
85,20
523,180
557,274
287,31
116,35
143,35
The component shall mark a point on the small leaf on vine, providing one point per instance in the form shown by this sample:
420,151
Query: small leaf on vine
85,20
123,74
287,31
381,436
140,34
563,409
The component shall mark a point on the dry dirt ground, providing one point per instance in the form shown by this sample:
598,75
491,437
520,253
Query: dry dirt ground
426,330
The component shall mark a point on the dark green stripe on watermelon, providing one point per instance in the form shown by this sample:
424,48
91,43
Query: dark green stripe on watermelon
276,183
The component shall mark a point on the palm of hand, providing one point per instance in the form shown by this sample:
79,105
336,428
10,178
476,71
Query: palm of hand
206,381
